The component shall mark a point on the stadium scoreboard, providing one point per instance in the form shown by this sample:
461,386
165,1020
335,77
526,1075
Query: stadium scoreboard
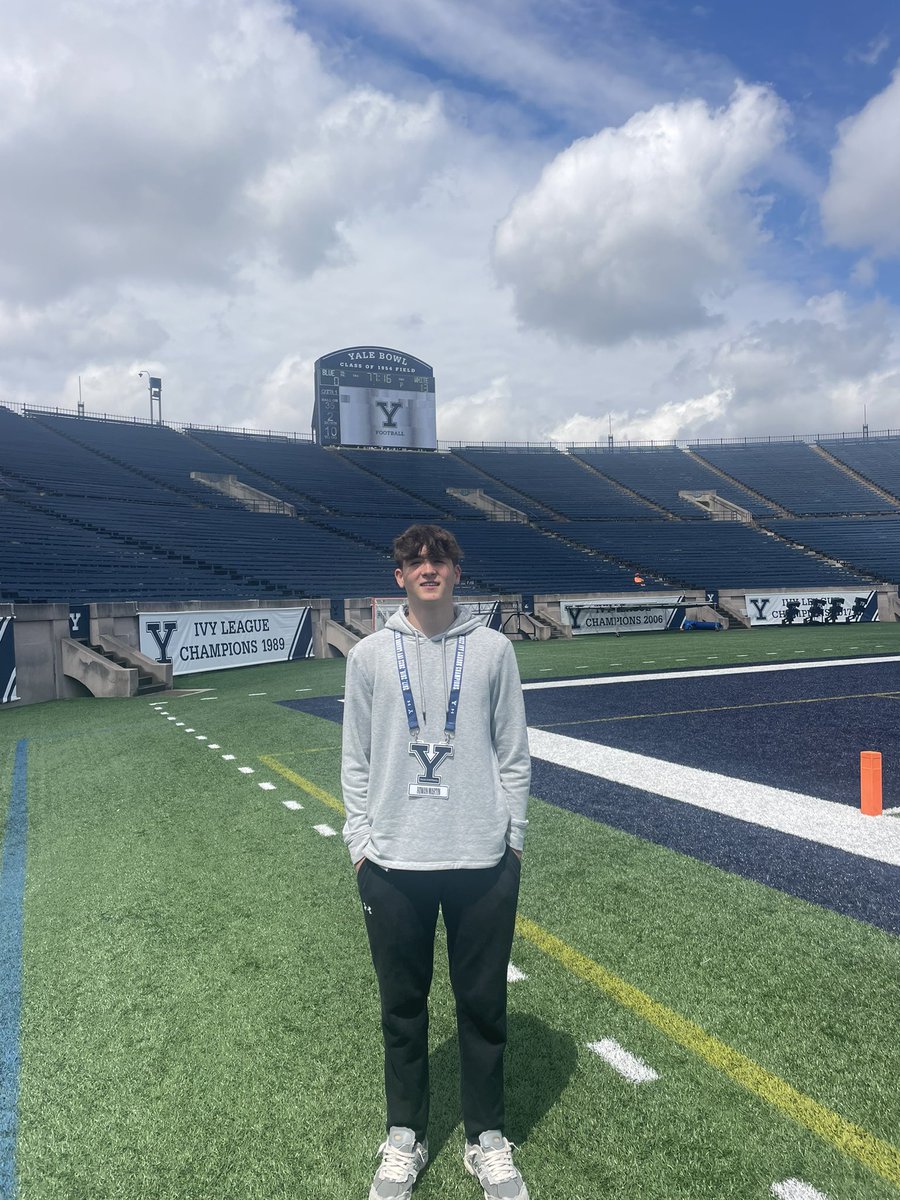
374,396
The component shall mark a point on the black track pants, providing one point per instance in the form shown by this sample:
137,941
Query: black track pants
479,909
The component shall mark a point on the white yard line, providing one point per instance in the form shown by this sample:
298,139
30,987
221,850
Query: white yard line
597,681
267,787
514,975
628,1065
291,804
796,1189
325,830
840,825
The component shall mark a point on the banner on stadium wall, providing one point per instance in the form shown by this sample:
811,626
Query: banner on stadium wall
489,612
214,641
8,691
80,622
623,616
827,607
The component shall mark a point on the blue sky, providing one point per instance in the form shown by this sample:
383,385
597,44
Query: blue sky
674,218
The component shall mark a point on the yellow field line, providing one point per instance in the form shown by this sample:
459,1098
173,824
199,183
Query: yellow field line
305,785
687,712
852,1140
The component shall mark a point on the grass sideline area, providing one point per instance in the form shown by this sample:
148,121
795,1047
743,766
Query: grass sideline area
199,1014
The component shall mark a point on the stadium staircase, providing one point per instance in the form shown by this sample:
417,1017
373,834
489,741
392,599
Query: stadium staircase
113,669
539,509
248,497
494,510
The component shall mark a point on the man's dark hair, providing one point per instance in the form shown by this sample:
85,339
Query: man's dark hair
437,541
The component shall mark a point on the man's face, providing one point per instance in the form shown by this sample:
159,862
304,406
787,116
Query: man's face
428,579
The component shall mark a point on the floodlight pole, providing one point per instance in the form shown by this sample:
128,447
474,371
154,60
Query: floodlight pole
154,385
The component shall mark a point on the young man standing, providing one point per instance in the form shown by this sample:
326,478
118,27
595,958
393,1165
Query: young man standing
435,777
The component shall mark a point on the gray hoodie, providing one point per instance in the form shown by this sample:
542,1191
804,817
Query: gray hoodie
426,809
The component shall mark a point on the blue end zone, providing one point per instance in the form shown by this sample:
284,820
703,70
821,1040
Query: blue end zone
786,729
805,747
845,883
12,891
328,707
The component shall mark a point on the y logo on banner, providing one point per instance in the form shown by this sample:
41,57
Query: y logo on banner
153,628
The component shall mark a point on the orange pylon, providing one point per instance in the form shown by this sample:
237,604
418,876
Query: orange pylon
870,782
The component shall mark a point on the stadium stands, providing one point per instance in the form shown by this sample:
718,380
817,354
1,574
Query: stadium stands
660,473
876,459
94,509
427,477
154,451
554,484
47,558
509,557
795,477
870,544
314,479
715,554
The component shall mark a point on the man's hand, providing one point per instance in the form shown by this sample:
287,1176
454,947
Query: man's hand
357,866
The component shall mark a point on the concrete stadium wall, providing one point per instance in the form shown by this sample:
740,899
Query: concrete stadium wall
41,629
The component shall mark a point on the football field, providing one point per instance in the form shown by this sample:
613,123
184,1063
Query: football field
704,983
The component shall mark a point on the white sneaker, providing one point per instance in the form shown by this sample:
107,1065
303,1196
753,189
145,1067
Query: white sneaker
402,1158
490,1161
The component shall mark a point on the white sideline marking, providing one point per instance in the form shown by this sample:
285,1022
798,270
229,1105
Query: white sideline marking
178,725
228,757
171,718
325,830
191,730
808,817
214,746
201,737
291,804
629,1066
267,787
257,693
209,697
796,1189
514,975
703,674
246,770
302,689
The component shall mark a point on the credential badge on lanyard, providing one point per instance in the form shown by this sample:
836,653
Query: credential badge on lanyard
430,755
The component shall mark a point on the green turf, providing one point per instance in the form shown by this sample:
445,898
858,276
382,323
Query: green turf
199,1012
702,648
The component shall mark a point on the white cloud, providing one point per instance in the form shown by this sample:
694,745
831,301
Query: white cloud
671,421
859,206
480,417
631,231
180,142
810,374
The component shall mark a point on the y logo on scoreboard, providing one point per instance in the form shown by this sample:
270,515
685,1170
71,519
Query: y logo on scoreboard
390,409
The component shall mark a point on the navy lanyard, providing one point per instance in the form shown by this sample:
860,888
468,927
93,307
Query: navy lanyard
412,717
